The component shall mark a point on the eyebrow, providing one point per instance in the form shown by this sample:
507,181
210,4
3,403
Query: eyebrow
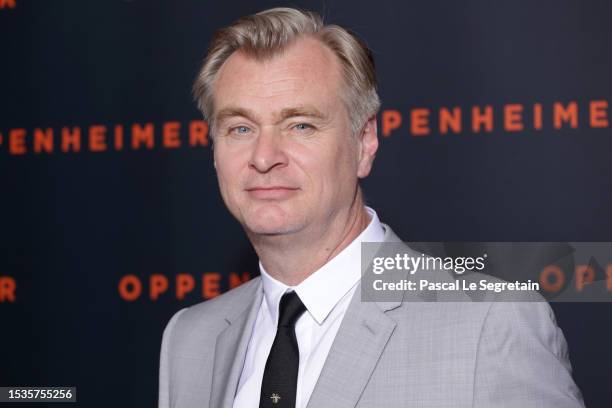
230,112
305,111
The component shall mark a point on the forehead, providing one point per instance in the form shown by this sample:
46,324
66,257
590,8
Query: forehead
305,73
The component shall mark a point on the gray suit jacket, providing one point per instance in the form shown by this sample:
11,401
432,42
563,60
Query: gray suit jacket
385,354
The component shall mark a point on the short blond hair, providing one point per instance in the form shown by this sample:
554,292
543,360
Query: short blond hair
266,34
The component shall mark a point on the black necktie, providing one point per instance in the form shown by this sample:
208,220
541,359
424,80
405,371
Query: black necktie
279,382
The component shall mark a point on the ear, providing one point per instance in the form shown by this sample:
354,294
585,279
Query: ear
368,145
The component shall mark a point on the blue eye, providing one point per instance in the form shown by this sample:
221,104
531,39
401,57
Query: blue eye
303,126
241,130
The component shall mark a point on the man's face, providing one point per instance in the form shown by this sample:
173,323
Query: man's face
284,154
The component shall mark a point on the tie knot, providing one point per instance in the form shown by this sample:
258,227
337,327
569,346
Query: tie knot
291,308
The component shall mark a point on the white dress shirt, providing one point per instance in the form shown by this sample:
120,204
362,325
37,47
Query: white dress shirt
326,294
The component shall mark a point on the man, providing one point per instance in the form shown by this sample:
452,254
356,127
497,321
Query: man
292,108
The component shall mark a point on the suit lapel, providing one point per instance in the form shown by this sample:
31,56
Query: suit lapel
230,352
360,341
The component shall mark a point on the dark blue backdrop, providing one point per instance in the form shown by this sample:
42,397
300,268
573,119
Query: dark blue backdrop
73,224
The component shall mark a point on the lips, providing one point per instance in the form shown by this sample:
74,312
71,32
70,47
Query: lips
271,192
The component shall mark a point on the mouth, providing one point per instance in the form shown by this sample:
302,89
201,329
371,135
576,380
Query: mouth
271,192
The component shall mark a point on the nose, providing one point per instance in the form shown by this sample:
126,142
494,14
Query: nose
268,151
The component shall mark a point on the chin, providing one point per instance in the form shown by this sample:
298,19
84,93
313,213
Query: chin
270,220
269,227
269,230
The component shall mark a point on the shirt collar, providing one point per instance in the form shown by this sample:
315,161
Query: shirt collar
322,290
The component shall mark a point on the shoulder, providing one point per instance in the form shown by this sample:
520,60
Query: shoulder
226,304
526,318
486,313
211,314
521,347
509,307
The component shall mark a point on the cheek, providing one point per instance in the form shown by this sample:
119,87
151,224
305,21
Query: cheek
331,170
344,163
228,175
345,178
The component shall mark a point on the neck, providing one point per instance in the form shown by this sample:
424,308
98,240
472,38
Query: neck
292,258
